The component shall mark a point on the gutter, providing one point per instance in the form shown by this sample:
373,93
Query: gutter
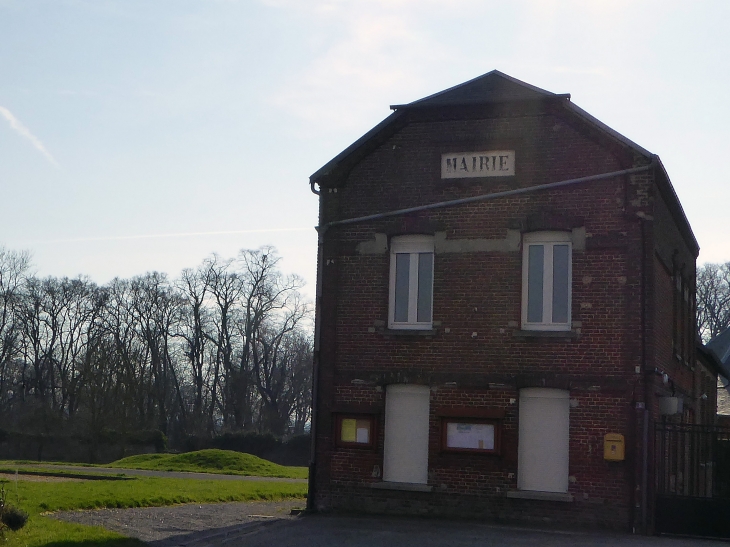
484,197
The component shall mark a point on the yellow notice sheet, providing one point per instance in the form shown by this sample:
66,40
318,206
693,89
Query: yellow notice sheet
349,431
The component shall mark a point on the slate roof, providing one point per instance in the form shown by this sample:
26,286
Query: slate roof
492,87
720,346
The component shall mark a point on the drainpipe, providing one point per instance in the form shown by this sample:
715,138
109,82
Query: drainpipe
647,377
311,486
644,425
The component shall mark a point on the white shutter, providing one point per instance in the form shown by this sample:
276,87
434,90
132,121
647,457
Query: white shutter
542,461
405,457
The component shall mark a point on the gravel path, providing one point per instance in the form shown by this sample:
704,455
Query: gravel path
189,525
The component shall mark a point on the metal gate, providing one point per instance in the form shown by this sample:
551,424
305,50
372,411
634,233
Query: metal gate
692,464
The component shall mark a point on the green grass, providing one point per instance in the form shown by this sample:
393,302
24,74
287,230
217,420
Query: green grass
37,498
226,462
212,461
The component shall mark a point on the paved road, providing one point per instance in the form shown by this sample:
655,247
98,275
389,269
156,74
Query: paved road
267,524
162,474
336,531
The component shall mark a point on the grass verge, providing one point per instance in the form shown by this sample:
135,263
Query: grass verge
226,462
211,461
36,498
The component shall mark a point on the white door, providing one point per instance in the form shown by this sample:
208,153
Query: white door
405,457
542,461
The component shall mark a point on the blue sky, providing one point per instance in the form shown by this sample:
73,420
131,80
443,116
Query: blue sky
144,135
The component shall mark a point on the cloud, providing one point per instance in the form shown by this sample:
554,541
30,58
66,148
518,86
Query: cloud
25,132
349,82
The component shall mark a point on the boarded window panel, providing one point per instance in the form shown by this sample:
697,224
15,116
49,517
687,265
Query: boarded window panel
348,430
536,262
561,279
542,460
362,432
470,436
402,274
425,286
405,453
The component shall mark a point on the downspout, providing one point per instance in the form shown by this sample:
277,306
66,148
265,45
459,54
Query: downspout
647,377
645,421
311,486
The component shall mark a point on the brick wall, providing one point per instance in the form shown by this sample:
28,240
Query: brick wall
478,357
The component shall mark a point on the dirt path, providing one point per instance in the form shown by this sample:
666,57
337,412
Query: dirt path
190,524
36,478
162,474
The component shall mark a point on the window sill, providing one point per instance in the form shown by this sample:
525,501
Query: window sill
535,495
545,334
406,486
409,332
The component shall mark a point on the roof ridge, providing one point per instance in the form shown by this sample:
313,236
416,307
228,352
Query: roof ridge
434,98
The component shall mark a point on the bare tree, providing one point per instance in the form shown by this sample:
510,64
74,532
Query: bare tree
272,313
156,310
224,286
713,299
14,266
193,287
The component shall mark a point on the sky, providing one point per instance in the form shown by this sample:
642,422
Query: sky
144,135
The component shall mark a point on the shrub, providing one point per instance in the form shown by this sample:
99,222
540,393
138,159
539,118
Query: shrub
14,518
10,517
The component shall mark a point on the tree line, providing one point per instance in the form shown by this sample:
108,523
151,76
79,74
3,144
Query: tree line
224,347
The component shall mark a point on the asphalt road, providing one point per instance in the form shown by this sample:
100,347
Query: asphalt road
337,531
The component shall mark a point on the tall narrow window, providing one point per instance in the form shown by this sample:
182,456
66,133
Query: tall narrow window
546,281
411,282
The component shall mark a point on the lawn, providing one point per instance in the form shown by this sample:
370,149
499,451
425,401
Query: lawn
226,462
211,461
37,498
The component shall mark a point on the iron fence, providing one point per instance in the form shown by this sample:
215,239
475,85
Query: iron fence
692,460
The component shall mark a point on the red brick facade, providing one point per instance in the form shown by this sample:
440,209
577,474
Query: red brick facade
629,241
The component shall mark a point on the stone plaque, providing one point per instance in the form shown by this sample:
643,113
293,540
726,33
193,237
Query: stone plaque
494,163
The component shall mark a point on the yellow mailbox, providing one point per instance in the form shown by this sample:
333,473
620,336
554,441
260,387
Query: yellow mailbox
613,447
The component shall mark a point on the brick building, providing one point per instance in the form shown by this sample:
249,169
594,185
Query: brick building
505,304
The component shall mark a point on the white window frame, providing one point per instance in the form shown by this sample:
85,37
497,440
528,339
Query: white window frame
413,245
548,240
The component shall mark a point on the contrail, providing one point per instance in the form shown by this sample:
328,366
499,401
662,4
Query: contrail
25,132
159,236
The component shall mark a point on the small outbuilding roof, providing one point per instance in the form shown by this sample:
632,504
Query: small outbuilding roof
720,346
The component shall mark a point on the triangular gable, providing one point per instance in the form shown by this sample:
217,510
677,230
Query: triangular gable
492,87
